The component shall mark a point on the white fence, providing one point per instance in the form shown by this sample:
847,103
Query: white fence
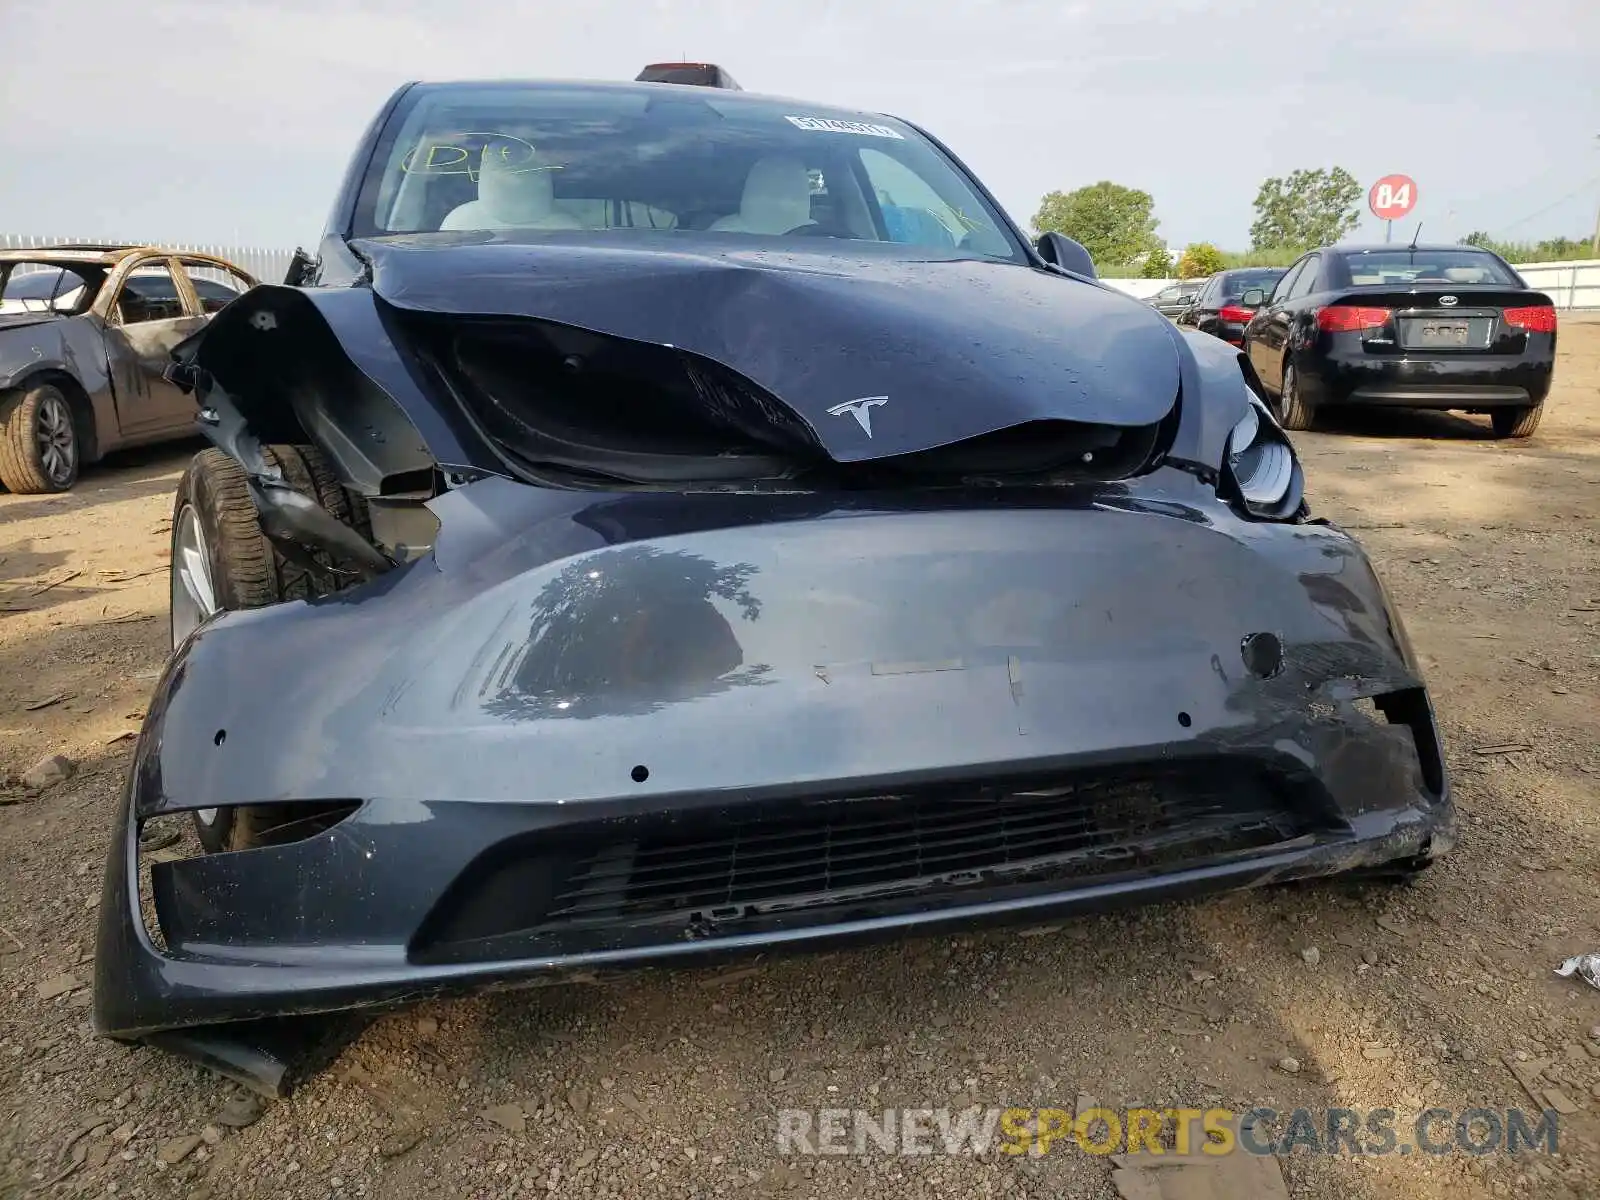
1569,284
265,263
1572,285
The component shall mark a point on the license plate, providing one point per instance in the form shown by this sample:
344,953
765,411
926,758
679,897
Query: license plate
1445,333
1442,335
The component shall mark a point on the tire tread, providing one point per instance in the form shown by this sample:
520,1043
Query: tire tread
20,469
1517,422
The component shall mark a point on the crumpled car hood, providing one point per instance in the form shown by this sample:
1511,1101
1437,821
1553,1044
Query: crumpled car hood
881,349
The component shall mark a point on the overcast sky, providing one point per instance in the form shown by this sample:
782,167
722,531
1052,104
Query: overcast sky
220,120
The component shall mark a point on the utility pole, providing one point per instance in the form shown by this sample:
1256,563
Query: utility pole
1594,245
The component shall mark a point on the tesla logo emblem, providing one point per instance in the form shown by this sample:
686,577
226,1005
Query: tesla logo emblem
860,409
1448,301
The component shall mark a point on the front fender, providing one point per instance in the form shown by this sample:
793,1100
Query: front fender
315,365
1214,379
29,349
69,347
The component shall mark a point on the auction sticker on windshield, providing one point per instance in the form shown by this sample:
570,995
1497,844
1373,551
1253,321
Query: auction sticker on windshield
830,125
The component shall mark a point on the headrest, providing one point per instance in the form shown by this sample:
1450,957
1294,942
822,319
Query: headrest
514,186
777,195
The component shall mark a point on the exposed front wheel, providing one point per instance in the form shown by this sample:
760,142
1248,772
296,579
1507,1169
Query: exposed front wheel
222,561
1294,410
1517,422
38,441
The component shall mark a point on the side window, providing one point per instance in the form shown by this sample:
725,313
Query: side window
1281,292
1208,293
215,285
912,211
149,294
1306,282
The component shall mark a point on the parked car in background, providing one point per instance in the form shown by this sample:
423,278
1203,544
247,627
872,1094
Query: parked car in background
1452,327
1175,297
1220,307
85,338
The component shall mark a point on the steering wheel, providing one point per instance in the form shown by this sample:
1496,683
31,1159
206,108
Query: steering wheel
809,229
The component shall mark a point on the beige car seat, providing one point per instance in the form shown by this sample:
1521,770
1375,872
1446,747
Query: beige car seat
777,198
514,192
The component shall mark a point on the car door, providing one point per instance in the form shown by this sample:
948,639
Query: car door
1203,313
1268,331
1300,307
150,311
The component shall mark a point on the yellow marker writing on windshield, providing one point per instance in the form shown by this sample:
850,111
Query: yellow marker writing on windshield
516,156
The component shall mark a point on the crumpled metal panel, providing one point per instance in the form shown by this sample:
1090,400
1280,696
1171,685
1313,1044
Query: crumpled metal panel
930,351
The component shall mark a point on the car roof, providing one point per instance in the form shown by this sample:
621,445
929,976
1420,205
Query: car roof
104,256
722,95
1391,247
108,256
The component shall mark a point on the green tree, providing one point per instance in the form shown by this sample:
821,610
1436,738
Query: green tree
1199,260
1157,265
1558,249
1305,209
1113,223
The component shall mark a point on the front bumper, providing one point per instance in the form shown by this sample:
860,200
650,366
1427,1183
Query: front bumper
922,715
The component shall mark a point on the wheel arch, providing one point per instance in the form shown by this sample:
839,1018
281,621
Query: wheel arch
83,421
277,354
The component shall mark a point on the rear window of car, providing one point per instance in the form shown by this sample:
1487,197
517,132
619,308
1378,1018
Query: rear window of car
535,159
1237,283
1403,266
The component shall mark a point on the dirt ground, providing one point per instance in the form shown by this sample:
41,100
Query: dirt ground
669,1085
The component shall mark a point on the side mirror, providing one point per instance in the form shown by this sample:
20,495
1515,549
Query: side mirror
1062,251
1253,298
302,269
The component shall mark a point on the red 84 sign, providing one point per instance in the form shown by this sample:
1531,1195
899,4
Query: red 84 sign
1392,197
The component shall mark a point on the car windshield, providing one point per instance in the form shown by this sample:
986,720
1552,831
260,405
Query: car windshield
1236,283
39,288
1403,266
533,159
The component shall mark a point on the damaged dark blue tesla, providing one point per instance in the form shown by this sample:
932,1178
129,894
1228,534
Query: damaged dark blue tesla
664,522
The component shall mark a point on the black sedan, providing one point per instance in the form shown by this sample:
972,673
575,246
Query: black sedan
1221,310
1448,327
668,534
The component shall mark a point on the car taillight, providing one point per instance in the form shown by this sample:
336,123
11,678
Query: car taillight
1350,319
1540,318
1232,312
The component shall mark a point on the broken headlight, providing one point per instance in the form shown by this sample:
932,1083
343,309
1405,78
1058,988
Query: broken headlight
1261,468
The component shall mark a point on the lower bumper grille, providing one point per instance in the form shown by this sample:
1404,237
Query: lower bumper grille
705,872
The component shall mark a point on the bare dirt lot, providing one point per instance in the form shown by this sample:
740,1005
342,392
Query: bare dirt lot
670,1085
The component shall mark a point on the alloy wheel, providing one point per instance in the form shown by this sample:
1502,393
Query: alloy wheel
57,440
